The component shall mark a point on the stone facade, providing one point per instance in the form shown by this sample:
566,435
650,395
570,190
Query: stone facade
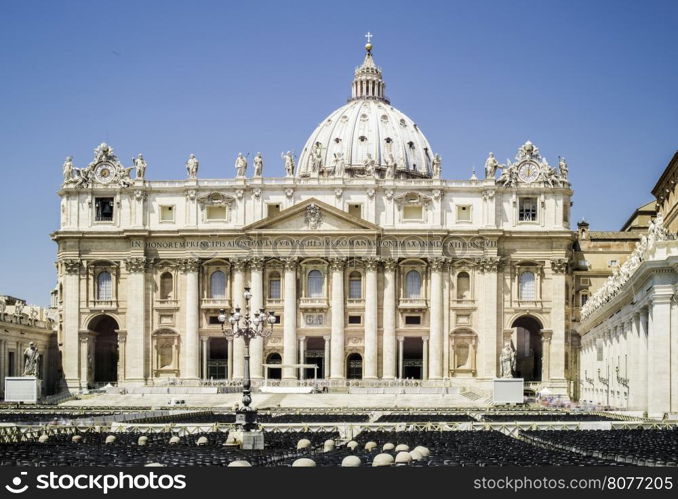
377,267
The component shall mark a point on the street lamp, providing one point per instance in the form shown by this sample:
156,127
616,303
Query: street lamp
244,326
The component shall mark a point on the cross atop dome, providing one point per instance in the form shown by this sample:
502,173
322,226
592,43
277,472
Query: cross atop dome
368,45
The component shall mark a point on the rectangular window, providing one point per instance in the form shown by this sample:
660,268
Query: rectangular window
584,299
412,212
216,213
356,210
214,320
613,263
274,288
104,209
355,289
527,210
167,213
412,320
272,209
463,213
355,319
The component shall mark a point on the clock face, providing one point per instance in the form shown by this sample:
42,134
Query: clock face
104,173
528,172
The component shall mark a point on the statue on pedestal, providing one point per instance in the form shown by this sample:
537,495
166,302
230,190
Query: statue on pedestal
68,169
339,164
240,165
140,165
507,360
258,165
437,166
491,165
32,361
192,166
562,166
289,163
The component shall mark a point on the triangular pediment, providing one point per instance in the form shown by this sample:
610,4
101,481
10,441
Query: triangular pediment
312,215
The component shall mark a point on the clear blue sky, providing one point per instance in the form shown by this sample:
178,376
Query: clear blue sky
593,81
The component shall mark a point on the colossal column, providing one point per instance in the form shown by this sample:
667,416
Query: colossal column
401,344
659,350
257,301
558,299
238,265
204,343
389,354
71,317
229,365
302,356
425,350
326,358
546,335
136,320
435,352
337,327
371,336
191,367
290,318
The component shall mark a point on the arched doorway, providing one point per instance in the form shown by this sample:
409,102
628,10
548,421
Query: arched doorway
354,366
413,358
274,358
315,354
105,349
528,348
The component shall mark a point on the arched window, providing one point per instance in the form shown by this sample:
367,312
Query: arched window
166,286
413,284
274,285
315,284
527,289
463,286
104,286
218,284
355,286
354,366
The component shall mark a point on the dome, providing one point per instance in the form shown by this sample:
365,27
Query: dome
368,137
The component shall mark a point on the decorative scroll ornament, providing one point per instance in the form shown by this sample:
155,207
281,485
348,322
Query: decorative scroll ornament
105,169
489,264
390,264
371,263
72,266
337,264
189,265
313,217
656,232
559,266
257,263
529,167
437,264
135,265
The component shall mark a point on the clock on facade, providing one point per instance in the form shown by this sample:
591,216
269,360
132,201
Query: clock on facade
104,173
528,172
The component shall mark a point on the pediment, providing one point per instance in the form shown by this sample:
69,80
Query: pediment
312,215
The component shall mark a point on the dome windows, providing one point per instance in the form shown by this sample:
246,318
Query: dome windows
384,118
410,144
403,123
337,140
362,138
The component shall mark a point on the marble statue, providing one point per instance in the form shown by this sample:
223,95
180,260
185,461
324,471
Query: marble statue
562,166
192,166
258,165
370,165
508,360
68,169
288,158
3,305
390,167
491,165
18,309
140,165
240,165
317,157
437,166
339,164
31,360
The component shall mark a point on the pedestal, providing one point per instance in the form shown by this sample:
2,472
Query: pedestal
508,391
249,440
24,389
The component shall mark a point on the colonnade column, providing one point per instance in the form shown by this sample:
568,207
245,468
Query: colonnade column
557,361
3,364
302,356
191,367
659,350
435,350
643,365
204,343
337,369
546,336
136,320
290,318
371,336
326,358
257,303
122,355
401,344
389,355
71,325
239,265
425,368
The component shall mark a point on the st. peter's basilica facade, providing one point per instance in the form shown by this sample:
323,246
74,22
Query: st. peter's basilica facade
377,268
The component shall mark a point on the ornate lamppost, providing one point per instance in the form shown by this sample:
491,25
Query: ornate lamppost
244,326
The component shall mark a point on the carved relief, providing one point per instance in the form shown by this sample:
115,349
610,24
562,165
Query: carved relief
135,265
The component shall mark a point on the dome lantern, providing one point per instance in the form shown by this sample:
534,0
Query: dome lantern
367,81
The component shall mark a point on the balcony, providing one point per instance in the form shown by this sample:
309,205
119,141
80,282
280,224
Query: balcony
166,304
413,304
313,303
104,305
215,303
